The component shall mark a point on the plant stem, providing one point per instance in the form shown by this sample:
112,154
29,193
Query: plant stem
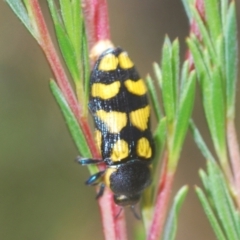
97,29
107,207
112,226
161,206
234,153
96,21
46,43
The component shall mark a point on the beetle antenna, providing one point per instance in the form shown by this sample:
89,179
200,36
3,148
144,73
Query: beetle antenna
119,213
136,215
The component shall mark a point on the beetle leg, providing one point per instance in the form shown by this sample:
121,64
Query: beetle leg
86,161
101,190
92,180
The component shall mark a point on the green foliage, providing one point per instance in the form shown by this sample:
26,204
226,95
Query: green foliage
215,60
200,142
153,97
69,27
177,87
218,204
231,58
178,92
172,220
72,124
21,12
214,56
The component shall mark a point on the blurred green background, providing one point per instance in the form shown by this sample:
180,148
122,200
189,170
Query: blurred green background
42,195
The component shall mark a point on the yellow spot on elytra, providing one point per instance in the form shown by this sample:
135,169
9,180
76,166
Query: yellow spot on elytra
105,91
119,150
143,148
108,62
124,61
136,87
115,121
98,137
139,118
107,175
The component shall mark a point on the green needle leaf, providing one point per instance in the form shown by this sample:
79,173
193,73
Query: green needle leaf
67,15
175,68
153,97
217,110
200,142
184,114
168,85
184,75
213,15
65,43
171,224
204,33
231,51
187,4
224,210
19,9
71,121
210,214
159,139
158,74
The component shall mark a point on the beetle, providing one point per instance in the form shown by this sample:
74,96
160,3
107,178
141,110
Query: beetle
121,112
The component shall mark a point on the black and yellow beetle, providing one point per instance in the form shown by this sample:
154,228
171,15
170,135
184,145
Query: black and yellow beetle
121,112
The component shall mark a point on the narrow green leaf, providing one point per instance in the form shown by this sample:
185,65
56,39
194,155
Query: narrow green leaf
218,114
206,38
159,139
201,67
200,142
172,220
19,9
220,58
67,17
184,75
205,180
153,97
175,68
71,121
183,116
64,43
187,4
168,92
231,51
220,200
210,215
77,39
85,66
158,74
224,8
213,15
201,61
232,207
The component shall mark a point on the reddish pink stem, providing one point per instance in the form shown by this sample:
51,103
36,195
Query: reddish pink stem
109,211
60,75
96,21
234,153
161,206
160,210
199,4
113,229
97,27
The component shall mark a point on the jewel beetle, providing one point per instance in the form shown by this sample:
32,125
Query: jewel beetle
121,112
